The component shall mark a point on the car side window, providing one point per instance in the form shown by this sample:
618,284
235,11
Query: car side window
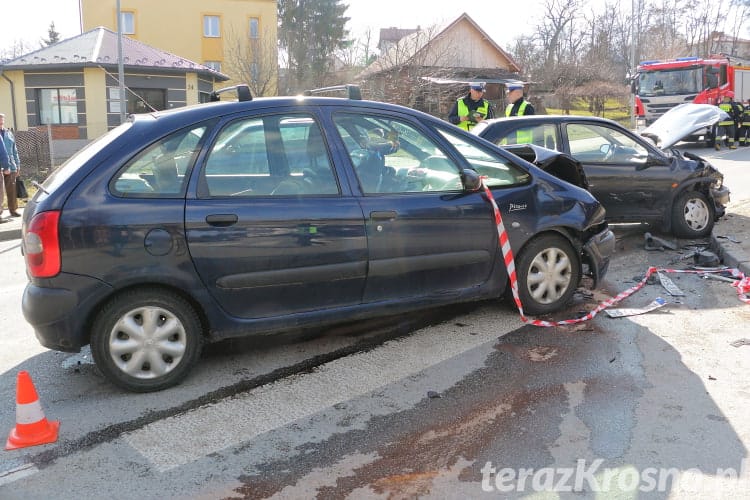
276,155
391,156
540,135
161,170
496,170
593,143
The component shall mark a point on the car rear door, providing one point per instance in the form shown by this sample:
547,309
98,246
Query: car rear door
271,232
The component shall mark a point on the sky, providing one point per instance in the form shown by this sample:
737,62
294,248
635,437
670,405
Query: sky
29,20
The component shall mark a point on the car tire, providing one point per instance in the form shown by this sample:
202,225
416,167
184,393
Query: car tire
548,270
692,215
159,327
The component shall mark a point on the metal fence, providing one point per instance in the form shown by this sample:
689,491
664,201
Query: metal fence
34,152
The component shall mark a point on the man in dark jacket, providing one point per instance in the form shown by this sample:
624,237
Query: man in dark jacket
472,108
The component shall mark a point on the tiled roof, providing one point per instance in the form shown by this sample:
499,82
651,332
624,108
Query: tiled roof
98,47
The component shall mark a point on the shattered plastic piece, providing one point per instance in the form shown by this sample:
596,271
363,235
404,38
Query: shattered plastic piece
669,286
433,395
619,313
656,243
717,277
740,342
706,258
730,238
709,269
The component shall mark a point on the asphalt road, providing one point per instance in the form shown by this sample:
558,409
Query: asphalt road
459,403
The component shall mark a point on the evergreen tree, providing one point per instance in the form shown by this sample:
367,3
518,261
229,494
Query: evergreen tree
310,31
52,35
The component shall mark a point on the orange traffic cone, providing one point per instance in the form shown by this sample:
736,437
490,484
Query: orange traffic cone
32,428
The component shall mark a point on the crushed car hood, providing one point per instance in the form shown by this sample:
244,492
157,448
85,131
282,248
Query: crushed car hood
682,121
554,162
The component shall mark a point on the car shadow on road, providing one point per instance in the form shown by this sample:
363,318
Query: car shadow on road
624,407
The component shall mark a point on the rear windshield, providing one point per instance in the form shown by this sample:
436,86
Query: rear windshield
61,173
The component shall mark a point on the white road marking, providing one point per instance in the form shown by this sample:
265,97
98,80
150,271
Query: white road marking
9,476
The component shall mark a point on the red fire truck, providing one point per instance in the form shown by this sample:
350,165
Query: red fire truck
661,85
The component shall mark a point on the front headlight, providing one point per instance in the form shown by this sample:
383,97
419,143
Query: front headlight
718,183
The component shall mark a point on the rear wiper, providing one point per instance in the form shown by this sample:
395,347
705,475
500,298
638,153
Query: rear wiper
39,187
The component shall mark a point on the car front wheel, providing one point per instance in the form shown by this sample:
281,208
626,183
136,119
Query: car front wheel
146,340
692,215
548,270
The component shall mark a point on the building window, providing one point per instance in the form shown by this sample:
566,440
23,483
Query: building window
214,65
127,21
211,26
146,100
254,27
57,106
254,73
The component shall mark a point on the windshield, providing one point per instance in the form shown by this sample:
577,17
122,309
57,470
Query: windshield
670,82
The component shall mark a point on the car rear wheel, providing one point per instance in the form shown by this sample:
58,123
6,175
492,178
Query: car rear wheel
548,270
146,340
692,215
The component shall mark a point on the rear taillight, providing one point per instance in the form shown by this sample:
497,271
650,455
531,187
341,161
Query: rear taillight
41,246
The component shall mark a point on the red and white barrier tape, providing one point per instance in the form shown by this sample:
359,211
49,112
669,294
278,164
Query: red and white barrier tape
742,284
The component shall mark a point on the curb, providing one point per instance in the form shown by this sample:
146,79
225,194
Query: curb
10,228
10,234
731,254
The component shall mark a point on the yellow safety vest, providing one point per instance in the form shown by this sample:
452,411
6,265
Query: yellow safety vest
522,136
463,110
727,107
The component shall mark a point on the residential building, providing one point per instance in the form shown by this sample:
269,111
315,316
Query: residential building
71,90
389,37
429,68
233,37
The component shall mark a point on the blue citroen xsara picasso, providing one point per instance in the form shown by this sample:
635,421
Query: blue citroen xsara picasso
229,219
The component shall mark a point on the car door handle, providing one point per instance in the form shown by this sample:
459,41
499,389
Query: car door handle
383,215
221,220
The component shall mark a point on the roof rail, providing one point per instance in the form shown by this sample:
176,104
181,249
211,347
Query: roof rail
243,92
353,91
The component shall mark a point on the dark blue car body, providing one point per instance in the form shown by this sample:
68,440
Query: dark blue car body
236,237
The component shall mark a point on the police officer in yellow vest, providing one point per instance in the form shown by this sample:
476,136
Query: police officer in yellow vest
517,104
472,108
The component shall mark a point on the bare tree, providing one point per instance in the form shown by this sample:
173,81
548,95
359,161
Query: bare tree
16,49
253,60
357,52
400,70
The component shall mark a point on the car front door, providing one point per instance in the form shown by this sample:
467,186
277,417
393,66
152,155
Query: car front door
426,236
270,231
616,168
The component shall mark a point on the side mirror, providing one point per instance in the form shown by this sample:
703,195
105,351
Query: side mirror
471,180
653,161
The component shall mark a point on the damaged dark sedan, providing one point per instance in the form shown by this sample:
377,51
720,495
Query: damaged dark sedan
635,180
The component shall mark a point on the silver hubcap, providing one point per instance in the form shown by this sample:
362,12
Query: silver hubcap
696,214
549,275
147,342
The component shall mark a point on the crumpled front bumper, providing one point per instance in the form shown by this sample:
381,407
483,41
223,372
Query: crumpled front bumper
721,199
598,251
